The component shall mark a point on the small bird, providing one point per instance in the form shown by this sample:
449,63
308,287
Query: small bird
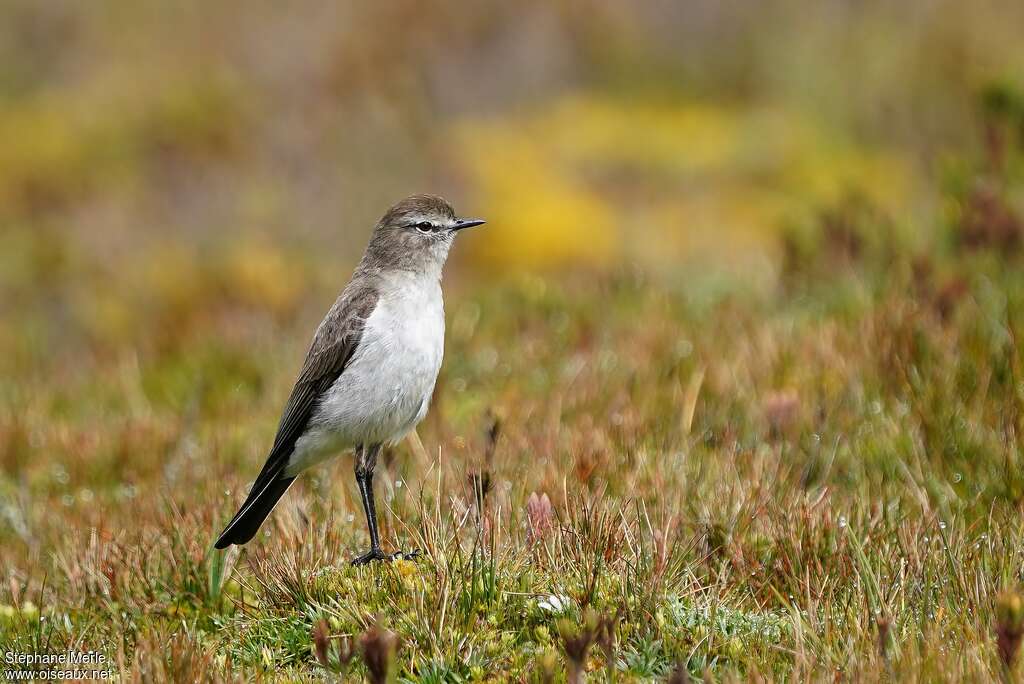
371,368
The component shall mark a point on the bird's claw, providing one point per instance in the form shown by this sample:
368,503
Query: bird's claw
406,555
377,554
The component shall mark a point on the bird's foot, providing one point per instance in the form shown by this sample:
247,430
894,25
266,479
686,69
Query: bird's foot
406,555
377,554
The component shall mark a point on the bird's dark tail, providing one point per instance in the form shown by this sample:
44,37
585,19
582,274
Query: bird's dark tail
269,487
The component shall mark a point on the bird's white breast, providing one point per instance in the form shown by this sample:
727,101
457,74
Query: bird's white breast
386,387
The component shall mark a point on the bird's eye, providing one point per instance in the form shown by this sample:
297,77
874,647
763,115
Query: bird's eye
425,227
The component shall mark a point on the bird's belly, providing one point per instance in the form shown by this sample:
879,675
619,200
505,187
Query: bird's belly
382,395
385,389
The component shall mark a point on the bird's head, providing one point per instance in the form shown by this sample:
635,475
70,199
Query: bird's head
415,234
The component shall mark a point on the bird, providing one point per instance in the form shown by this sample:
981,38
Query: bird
370,371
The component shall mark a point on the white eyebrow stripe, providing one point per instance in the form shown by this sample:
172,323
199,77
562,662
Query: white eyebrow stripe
435,223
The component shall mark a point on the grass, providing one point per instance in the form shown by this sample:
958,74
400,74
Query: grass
808,473
626,477
808,467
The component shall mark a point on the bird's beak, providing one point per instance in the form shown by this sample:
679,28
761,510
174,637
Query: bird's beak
467,223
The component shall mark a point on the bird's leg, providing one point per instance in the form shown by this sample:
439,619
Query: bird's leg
366,460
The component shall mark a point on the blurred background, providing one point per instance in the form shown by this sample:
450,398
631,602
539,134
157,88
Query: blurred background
179,175
164,163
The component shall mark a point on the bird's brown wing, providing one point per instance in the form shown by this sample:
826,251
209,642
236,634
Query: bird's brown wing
332,348
333,345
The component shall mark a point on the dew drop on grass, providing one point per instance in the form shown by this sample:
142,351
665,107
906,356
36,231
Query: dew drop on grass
125,492
842,521
957,477
487,359
398,484
942,524
683,348
349,517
